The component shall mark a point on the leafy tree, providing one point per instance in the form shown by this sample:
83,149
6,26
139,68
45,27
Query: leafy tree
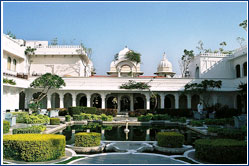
222,44
54,41
205,87
45,82
134,57
241,41
244,25
85,54
10,34
185,61
200,46
29,52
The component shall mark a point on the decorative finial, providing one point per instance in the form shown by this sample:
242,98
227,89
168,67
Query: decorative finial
164,55
126,46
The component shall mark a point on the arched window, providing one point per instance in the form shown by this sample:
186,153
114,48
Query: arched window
9,64
14,65
197,72
245,69
237,71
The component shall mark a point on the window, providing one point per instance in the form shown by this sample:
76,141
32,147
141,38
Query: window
14,65
197,72
245,69
9,64
237,71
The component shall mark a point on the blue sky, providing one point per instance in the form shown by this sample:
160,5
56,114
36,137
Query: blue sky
148,28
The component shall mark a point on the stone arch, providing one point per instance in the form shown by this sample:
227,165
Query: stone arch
96,100
111,102
197,72
14,64
43,101
139,102
125,103
81,100
152,102
195,100
245,69
67,100
183,101
169,101
237,68
22,100
55,100
9,63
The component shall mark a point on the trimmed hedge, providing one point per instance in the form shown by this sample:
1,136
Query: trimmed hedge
33,147
222,121
32,129
68,118
84,116
230,133
20,116
34,119
6,126
87,139
170,112
197,123
54,121
170,139
91,110
221,151
149,116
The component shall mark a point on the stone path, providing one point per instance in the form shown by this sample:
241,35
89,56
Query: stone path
127,159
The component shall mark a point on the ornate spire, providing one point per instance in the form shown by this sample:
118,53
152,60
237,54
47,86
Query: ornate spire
164,55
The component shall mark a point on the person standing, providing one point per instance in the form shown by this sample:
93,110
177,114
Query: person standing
200,108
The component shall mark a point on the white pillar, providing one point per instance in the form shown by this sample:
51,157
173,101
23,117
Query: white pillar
189,101
103,101
162,97
176,101
88,97
73,100
241,70
147,101
132,103
48,100
61,101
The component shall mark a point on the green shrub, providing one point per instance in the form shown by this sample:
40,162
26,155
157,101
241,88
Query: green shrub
33,147
223,121
68,118
77,117
32,129
63,111
161,117
6,126
170,139
221,151
87,139
106,118
20,116
54,121
107,111
197,123
230,133
180,119
91,110
145,118
175,112
34,119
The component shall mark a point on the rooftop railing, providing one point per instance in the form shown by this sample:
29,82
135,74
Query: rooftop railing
59,46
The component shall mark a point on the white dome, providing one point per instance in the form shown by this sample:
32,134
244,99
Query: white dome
121,54
164,65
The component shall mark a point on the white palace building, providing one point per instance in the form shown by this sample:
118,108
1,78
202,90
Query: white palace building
83,88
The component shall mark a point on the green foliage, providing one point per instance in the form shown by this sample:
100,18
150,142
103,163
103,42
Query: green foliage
10,34
34,106
222,121
197,123
145,118
68,118
6,126
149,116
244,25
135,85
20,116
133,56
34,119
29,51
230,133
170,139
84,116
54,121
33,147
29,130
221,151
87,139
91,110
181,119
9,81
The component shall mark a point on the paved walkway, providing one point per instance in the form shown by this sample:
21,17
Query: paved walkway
127,159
